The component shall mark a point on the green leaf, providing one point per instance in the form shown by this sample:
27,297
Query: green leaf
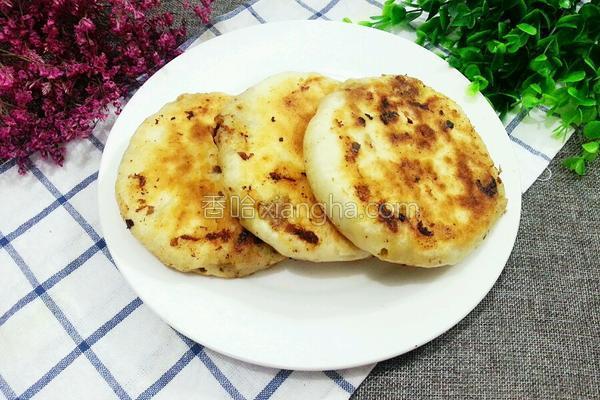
564,3
536,88
398,14
413,14
541,65
591,147
589,157
541,58
592,130
568,21
421,36
461,21
347,20
535,14
478,35
528,29
574,76
433,8
444,18
502,28
483,82
590,11
515,41
529,101
473,88
430,26
470,53
386,11
471,71
576,164
580,98
580,167
496,47
588,114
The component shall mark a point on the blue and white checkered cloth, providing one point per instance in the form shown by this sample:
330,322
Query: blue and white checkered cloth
70,327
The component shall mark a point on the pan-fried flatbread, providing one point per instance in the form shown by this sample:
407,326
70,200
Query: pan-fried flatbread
260,139
171,194
426,189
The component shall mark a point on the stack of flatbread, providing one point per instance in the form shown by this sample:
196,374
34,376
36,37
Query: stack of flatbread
305,167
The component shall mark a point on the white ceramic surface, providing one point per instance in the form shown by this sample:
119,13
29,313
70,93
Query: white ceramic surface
299,315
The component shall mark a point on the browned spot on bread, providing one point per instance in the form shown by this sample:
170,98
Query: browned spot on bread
360,121
141,180
303,234
427,135
224,235
189,114
245,156
275,211
423,230
369,116
352,152
388,116
217,169
396,138
276,176
339,123
386,216
425,131
363,192
490,190
273,119
245,238
422,106
143,205
473,200
189,237
129,223
405,86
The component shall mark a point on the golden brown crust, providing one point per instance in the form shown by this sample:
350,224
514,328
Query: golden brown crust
171,195
412,153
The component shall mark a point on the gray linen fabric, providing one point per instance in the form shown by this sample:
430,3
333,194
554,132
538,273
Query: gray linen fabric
537,333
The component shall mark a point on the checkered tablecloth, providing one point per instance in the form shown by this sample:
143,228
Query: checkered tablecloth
70,327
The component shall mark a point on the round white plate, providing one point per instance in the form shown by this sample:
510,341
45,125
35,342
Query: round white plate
300,315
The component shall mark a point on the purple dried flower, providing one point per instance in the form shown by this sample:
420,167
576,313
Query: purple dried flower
203,11
63,62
